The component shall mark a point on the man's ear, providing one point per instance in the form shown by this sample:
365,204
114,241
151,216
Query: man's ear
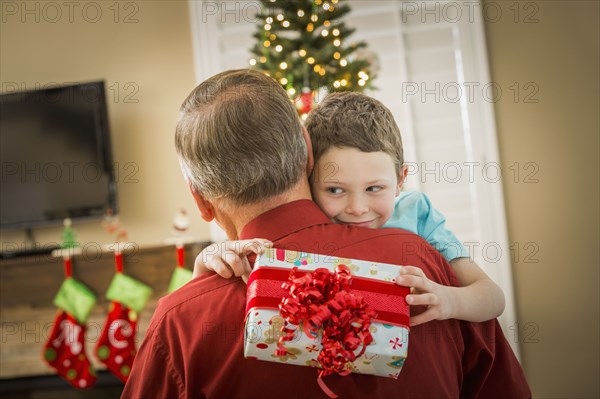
401,178
311,161
207,212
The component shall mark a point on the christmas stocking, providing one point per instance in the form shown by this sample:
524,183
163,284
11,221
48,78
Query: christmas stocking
116,347
181,275
64,349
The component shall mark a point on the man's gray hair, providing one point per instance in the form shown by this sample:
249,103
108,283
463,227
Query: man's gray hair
239,138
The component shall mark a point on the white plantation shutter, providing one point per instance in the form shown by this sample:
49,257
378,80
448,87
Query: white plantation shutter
429,60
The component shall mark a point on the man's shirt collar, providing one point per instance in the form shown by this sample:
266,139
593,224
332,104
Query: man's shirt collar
283,220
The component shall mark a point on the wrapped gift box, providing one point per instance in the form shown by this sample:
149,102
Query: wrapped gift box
374,282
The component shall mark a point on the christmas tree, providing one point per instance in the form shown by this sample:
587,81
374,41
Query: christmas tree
68,235
302,44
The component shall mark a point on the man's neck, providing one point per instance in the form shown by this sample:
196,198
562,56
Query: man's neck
234,221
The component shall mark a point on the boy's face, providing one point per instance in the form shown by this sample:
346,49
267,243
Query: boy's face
355,187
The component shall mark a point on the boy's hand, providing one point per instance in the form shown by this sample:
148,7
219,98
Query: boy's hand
439,299
229,258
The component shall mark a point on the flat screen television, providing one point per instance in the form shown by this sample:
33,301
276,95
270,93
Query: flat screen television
56,156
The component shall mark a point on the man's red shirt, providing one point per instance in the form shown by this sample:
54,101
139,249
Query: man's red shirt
194,345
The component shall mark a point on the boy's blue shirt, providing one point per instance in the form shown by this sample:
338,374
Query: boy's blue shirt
413,212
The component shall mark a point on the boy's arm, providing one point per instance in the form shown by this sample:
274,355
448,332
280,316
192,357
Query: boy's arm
478,299
230,258
481,298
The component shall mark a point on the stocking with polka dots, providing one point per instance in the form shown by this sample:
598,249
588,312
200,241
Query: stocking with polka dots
65,350
116,346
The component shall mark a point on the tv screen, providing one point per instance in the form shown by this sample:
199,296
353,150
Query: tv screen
56,156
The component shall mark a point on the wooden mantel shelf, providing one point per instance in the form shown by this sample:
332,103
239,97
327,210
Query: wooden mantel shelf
34,281
28,286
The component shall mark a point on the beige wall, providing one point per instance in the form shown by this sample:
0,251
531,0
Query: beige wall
153,56
559,296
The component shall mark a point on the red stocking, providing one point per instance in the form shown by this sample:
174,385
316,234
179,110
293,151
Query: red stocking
116,347
65,349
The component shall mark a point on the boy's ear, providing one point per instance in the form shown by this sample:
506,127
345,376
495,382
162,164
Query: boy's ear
311,161
207,211
401,179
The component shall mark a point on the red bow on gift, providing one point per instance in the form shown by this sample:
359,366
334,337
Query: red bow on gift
320,300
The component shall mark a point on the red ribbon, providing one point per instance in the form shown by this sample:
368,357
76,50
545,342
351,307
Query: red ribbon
385,298
68,267
180,255
320,300
119,261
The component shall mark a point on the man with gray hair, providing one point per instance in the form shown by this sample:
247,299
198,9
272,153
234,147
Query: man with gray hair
247,159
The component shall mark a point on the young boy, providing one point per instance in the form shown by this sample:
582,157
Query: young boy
359,171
